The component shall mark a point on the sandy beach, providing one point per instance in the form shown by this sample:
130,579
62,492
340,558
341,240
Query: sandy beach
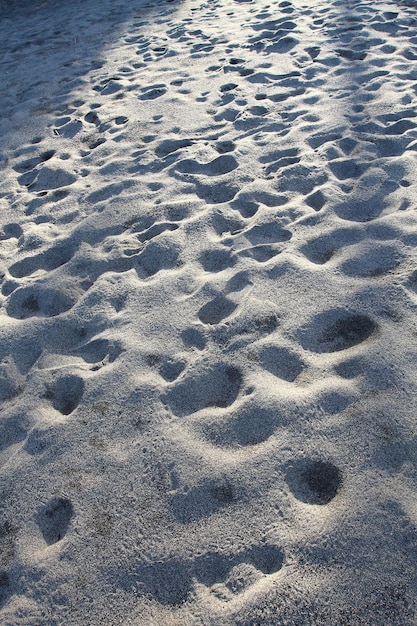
208,298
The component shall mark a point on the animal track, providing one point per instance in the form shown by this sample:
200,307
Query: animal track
54,519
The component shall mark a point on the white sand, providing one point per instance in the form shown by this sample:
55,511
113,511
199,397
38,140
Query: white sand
208,313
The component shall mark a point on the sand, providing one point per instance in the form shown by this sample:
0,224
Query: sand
208,313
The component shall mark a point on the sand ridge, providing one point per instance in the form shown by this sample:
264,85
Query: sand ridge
208,297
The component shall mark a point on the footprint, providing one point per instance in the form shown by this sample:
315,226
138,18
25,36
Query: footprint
214,568
69,129
30,164
5,590
249,425
168,146
99,350
372,260
216,386
49,260
54,518
171,581
281,362
193,338
38,301
158,255
216,310
216,259
50,178
269,232
65,393
322,249
155,230
261,253
336,330
301,179
314,482
221,165
13,430
171,368
316,200
153,92
216,193
202,501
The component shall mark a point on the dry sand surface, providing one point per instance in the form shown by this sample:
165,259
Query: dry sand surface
208,313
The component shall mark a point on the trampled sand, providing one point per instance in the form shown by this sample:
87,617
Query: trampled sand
208,323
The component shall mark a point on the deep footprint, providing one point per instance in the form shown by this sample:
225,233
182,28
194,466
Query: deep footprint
314,482
65,393
54,518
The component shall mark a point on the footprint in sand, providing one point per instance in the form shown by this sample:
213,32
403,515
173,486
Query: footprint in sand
65,393
153,91
336,330
39,301
5,587
216,310
216,259
281,362
249,424
171,368
48,260
223,574
54,519
216,385
203,500
314,481
13,430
